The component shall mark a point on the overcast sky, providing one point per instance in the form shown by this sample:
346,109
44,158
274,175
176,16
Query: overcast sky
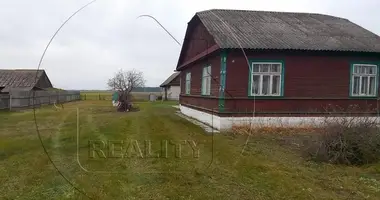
106,36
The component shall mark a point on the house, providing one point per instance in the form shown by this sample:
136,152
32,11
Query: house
171,87
250,66
23,80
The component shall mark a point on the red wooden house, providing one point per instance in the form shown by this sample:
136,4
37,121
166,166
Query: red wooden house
237,64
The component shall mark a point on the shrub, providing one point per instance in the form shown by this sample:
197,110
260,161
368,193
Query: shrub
350,141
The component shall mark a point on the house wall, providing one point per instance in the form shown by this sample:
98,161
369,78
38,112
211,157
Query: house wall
197,40
173,92
312,82
195,98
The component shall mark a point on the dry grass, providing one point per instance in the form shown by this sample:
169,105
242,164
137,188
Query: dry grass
247,129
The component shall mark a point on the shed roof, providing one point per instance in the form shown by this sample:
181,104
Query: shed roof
22,78
170,79
285,30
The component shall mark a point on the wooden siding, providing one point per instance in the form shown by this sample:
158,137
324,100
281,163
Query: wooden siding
313,83
196,76
294,106
306,75
208,105
44,82
195,97
197,40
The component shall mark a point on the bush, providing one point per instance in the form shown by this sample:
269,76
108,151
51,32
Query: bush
350,141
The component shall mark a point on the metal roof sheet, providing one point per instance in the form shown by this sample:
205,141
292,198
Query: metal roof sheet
282,30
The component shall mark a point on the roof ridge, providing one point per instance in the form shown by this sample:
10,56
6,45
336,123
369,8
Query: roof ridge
264,11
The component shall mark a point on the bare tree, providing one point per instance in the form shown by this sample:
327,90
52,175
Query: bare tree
126,81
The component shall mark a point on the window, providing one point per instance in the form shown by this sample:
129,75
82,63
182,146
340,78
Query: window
206,80
266,79
364,80
188,82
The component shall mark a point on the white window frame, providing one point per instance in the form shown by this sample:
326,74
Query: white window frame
366,75
271,74
206,80
188,83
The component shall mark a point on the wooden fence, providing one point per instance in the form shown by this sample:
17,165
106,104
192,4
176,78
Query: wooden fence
136,96
29,99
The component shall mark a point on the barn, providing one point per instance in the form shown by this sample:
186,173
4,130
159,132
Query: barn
171,87
23,80
238,66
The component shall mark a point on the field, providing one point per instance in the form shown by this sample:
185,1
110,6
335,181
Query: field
131,169
105,95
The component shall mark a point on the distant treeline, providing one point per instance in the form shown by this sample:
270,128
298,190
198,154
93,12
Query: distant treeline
140,89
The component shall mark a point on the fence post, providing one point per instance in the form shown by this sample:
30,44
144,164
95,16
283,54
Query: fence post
99,96
10,99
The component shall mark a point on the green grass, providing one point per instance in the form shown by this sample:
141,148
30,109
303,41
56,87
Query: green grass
267,169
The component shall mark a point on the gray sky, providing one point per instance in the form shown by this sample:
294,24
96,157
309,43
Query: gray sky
106,36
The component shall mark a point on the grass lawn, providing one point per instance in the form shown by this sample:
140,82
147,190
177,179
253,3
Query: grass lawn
267,169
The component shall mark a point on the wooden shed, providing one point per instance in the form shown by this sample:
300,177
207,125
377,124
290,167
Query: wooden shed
171,87
23,80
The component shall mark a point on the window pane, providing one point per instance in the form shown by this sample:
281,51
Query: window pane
356,69
356,85
372,70
187,87
276,85
204,85
265,86
256,67
361,69
255,84
209,85
372,84
275,68
265,68
364,85
366,69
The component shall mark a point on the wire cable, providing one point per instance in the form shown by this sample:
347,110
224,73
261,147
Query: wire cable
34,110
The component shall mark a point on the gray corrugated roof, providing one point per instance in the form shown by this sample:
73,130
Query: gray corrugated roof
168,80
19,77
281,30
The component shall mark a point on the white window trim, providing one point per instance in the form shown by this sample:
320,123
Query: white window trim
360,75
208,76
271,80
188,83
